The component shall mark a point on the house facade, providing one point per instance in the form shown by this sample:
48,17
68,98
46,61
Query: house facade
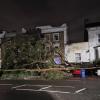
94,42
77,52
85,51
2,35
55,37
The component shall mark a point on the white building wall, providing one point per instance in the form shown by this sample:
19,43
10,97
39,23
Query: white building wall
93,41
99,51
77,48
0,58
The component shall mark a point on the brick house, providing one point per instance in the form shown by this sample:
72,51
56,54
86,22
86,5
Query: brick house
55,37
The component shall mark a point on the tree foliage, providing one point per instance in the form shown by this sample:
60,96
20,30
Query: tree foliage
21,51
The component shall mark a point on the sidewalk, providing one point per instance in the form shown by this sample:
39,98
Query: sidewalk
88,78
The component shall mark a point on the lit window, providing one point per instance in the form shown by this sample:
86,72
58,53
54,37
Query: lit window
78,57
56,37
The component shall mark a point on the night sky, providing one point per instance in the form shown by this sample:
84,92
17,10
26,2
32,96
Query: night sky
15,14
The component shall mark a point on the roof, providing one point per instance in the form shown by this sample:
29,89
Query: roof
94,24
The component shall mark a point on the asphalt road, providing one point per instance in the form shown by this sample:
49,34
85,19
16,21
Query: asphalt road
74,89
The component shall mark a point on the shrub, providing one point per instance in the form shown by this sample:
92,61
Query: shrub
19,74
53,75
23,74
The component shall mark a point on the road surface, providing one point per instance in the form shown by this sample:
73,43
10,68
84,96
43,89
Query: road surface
74,89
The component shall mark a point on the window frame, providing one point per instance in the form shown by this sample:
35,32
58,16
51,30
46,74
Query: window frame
47,37
47,48
99,38
54,38
78,57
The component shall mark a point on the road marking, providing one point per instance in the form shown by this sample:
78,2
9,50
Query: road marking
80,90
50,85
45,87
64,86
36,85
56,91
19,86
26,89
6,84
43,91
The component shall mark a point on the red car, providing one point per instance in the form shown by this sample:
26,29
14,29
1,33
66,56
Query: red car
76,72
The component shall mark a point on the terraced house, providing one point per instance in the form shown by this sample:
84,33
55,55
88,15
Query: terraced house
55,37
85,51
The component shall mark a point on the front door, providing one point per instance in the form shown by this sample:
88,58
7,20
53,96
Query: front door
96,53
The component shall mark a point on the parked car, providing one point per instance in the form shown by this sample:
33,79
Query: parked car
76,72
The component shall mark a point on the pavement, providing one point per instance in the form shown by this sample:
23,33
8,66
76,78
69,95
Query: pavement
70,89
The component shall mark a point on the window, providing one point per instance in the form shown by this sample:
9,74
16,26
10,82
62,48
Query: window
47,36
56,47
99,38
78,57
56,37
9,42
0,53
47,48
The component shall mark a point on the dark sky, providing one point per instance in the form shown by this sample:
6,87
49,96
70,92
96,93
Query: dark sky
18,13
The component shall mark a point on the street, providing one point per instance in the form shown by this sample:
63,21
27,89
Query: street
72,89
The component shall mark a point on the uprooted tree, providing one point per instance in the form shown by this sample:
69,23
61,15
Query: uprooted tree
22,51
27,51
